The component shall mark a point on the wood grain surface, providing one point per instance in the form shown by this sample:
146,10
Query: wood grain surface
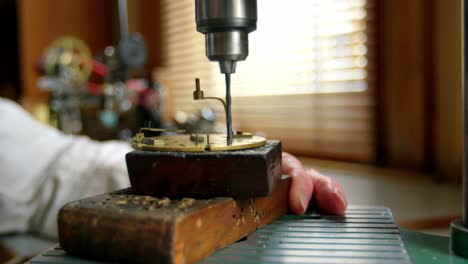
239,173
125,227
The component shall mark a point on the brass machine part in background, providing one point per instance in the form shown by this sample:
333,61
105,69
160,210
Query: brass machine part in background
70,54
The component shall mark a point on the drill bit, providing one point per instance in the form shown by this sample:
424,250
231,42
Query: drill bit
228,109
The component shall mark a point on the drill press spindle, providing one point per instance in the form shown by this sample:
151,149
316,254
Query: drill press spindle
228,109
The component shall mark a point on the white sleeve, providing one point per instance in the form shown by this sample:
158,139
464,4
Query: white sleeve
41,169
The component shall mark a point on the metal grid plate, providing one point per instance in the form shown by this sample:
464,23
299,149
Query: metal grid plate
364,235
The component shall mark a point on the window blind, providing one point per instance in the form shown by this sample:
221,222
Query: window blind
308,80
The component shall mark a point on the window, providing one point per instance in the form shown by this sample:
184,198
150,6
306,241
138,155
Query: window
308,79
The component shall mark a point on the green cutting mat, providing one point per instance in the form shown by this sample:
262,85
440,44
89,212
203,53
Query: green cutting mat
425,248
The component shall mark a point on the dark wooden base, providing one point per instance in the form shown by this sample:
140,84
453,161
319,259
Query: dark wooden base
128,228
241,173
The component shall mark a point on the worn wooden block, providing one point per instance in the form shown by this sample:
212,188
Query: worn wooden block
125,227
241,173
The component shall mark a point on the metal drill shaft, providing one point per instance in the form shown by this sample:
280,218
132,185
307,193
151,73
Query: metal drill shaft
465,113
123,19
228,109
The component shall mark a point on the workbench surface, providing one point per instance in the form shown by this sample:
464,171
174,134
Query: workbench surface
365,235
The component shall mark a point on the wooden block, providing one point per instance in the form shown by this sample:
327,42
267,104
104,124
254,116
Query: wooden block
241,173
125,227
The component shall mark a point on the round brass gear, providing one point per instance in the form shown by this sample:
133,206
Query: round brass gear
72,54
196,142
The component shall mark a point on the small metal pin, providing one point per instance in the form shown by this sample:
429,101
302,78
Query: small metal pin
197,84
198,93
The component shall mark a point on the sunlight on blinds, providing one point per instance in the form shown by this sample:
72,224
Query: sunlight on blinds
308,79
304,46
184,53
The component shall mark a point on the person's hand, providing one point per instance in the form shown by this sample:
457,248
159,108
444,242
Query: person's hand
309,185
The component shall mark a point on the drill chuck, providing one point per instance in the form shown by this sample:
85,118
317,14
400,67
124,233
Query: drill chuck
226,24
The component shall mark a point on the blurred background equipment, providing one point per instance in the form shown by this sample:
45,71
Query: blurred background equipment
105,97
68,56
85,90
66,65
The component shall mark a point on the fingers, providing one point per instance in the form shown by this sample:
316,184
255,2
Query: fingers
300,192
328,194
301,189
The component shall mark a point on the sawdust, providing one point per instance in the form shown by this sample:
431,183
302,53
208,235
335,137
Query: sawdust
186,202
164,202
120,202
